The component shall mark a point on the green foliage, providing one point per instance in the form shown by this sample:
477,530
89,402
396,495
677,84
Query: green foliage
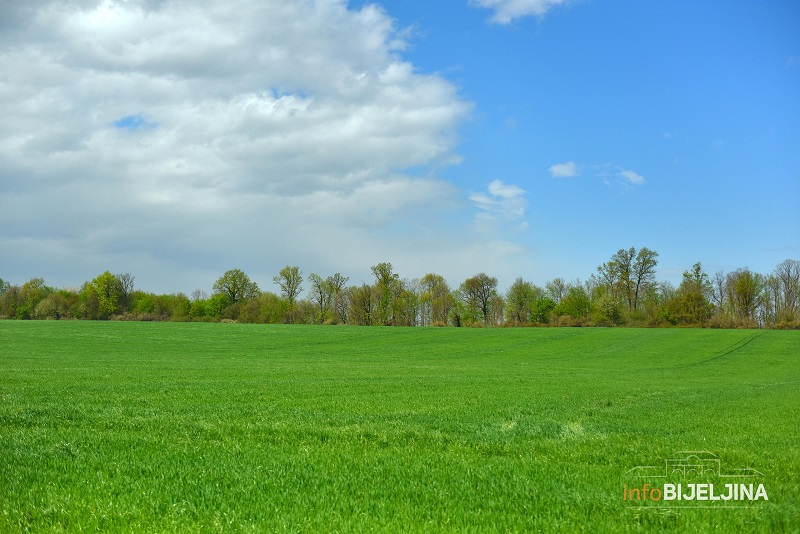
236,286
31,294
575,305
623,291
691,305
101,296
478,295
436,299
608,310
290,279
143,427
386,285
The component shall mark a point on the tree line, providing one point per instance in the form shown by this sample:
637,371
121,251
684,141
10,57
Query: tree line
621,292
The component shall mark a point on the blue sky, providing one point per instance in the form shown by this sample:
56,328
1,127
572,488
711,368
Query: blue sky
701,99
175,140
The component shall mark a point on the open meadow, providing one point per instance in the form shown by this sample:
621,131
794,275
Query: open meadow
197,427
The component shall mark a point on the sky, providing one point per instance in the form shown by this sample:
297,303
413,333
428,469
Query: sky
177,139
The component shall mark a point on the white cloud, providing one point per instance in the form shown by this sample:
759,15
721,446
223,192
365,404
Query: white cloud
504,203
564,170
505,11
606,171
182,137
632,177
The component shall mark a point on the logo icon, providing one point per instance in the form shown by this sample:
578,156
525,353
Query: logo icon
693,479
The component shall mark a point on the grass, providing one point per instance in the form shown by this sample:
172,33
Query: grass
153,427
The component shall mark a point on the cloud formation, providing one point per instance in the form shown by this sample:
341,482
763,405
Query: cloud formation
172,134
564,170
606,171
502,203
505,11
632,177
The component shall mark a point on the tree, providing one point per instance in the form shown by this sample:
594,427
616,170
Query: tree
325,292
643,272
743,289
102,295
691,304
623,261
436,299
406,303
520,299
125,290
478,292
361,310
608,278
787,274
576,304
628,273
718,292
236,286
386,284
320,295
557,289
30,295
289,280
336,283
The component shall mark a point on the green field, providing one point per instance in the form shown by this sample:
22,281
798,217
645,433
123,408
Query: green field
151,427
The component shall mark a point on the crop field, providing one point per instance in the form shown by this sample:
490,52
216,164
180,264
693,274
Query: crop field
189,427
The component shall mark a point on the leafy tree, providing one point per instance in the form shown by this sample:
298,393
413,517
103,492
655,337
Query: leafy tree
406,304
9,300
479,292
289,280
361,310
743,288
541,310
520,301
691,304
386,284
607,310
623,262
101,296
436,299
608,278
320,295
557,289
627,274
236,286
336,284
324,292
576,304
56,305
30,295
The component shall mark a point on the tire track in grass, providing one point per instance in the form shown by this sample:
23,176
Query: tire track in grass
730,350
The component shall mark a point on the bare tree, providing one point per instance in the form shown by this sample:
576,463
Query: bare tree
788,275
643,272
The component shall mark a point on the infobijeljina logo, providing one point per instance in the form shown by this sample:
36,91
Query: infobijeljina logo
693,479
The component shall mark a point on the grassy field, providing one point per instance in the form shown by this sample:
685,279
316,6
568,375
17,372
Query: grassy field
151,427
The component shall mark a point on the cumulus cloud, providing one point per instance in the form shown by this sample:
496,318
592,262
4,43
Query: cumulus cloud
168,134
505,11
564,170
